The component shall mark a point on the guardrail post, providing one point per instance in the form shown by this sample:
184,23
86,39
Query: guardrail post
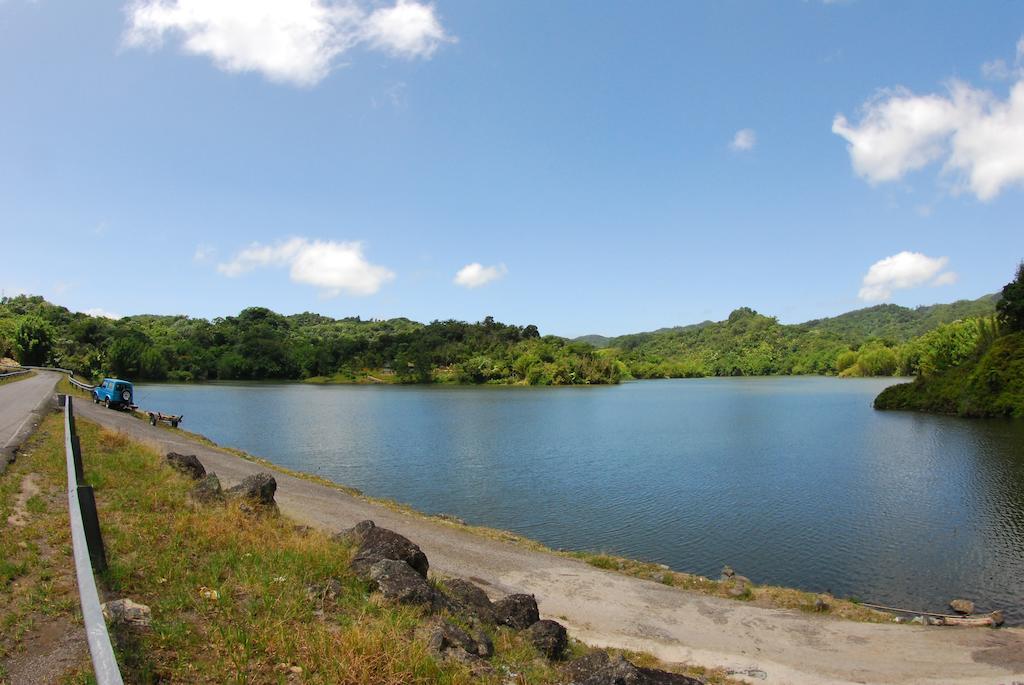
91,524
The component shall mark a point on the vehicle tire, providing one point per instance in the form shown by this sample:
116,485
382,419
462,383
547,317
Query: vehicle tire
125,395
95,399
106,402
152,420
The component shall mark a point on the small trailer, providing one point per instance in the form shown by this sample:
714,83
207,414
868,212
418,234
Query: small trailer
156,416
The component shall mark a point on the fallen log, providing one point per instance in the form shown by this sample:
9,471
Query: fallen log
992,620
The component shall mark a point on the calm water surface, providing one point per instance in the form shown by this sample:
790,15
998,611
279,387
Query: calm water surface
792,481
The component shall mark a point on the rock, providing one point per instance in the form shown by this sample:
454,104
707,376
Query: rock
259,488
598,668
737,586
962,606
127,612
376,544
450,641
918,620
188,464
822,603
517,611
355,533
549,637
997,618
727,572
469,599
208,490
934,621
398,582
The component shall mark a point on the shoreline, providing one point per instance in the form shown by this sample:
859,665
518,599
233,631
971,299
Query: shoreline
606,607
768,596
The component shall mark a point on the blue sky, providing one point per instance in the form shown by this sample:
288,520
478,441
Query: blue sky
583,166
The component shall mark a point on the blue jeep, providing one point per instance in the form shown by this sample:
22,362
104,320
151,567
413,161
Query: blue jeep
113,392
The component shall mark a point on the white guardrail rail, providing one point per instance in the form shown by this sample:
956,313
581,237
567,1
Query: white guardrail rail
89,555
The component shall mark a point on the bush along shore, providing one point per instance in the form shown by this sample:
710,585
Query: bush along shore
978,367
207,584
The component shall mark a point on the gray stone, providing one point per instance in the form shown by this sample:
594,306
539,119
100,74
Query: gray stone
822,603
354,534
517,611
470,599
376,544
208,490
549,637
188,464
449,640
962,606
127,612
259,488
398,582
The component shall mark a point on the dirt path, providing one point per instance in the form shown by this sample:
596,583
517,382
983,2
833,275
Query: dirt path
607,609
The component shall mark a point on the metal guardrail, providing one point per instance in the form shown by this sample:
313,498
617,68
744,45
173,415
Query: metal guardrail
80,385
13,373
89,554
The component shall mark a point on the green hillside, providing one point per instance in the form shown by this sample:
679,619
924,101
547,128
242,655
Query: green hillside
971,368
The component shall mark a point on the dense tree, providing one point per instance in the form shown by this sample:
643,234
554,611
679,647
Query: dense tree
33,341
1011,306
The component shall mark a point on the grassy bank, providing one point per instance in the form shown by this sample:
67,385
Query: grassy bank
991,385
15,379
234,598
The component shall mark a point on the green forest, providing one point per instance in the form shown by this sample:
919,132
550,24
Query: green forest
975,367
259,344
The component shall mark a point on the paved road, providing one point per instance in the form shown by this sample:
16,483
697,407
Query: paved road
607,609
18,401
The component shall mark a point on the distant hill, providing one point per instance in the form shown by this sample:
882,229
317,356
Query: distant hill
749,343
898,324
885,321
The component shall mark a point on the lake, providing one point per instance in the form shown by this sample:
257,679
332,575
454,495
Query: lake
791,481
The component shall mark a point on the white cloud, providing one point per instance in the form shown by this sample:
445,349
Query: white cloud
904,270
408,29
334,267
475,275
745,139
288,41
978,136
96,311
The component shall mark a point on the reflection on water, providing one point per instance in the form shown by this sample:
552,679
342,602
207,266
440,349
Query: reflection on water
792,481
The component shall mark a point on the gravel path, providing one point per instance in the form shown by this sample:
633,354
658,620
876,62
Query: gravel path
608,609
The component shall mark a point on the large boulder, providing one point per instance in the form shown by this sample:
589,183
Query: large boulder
259,488
962,606
597,668
188,464
517,611
208,490
376,544
398,582
471,600
549,637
